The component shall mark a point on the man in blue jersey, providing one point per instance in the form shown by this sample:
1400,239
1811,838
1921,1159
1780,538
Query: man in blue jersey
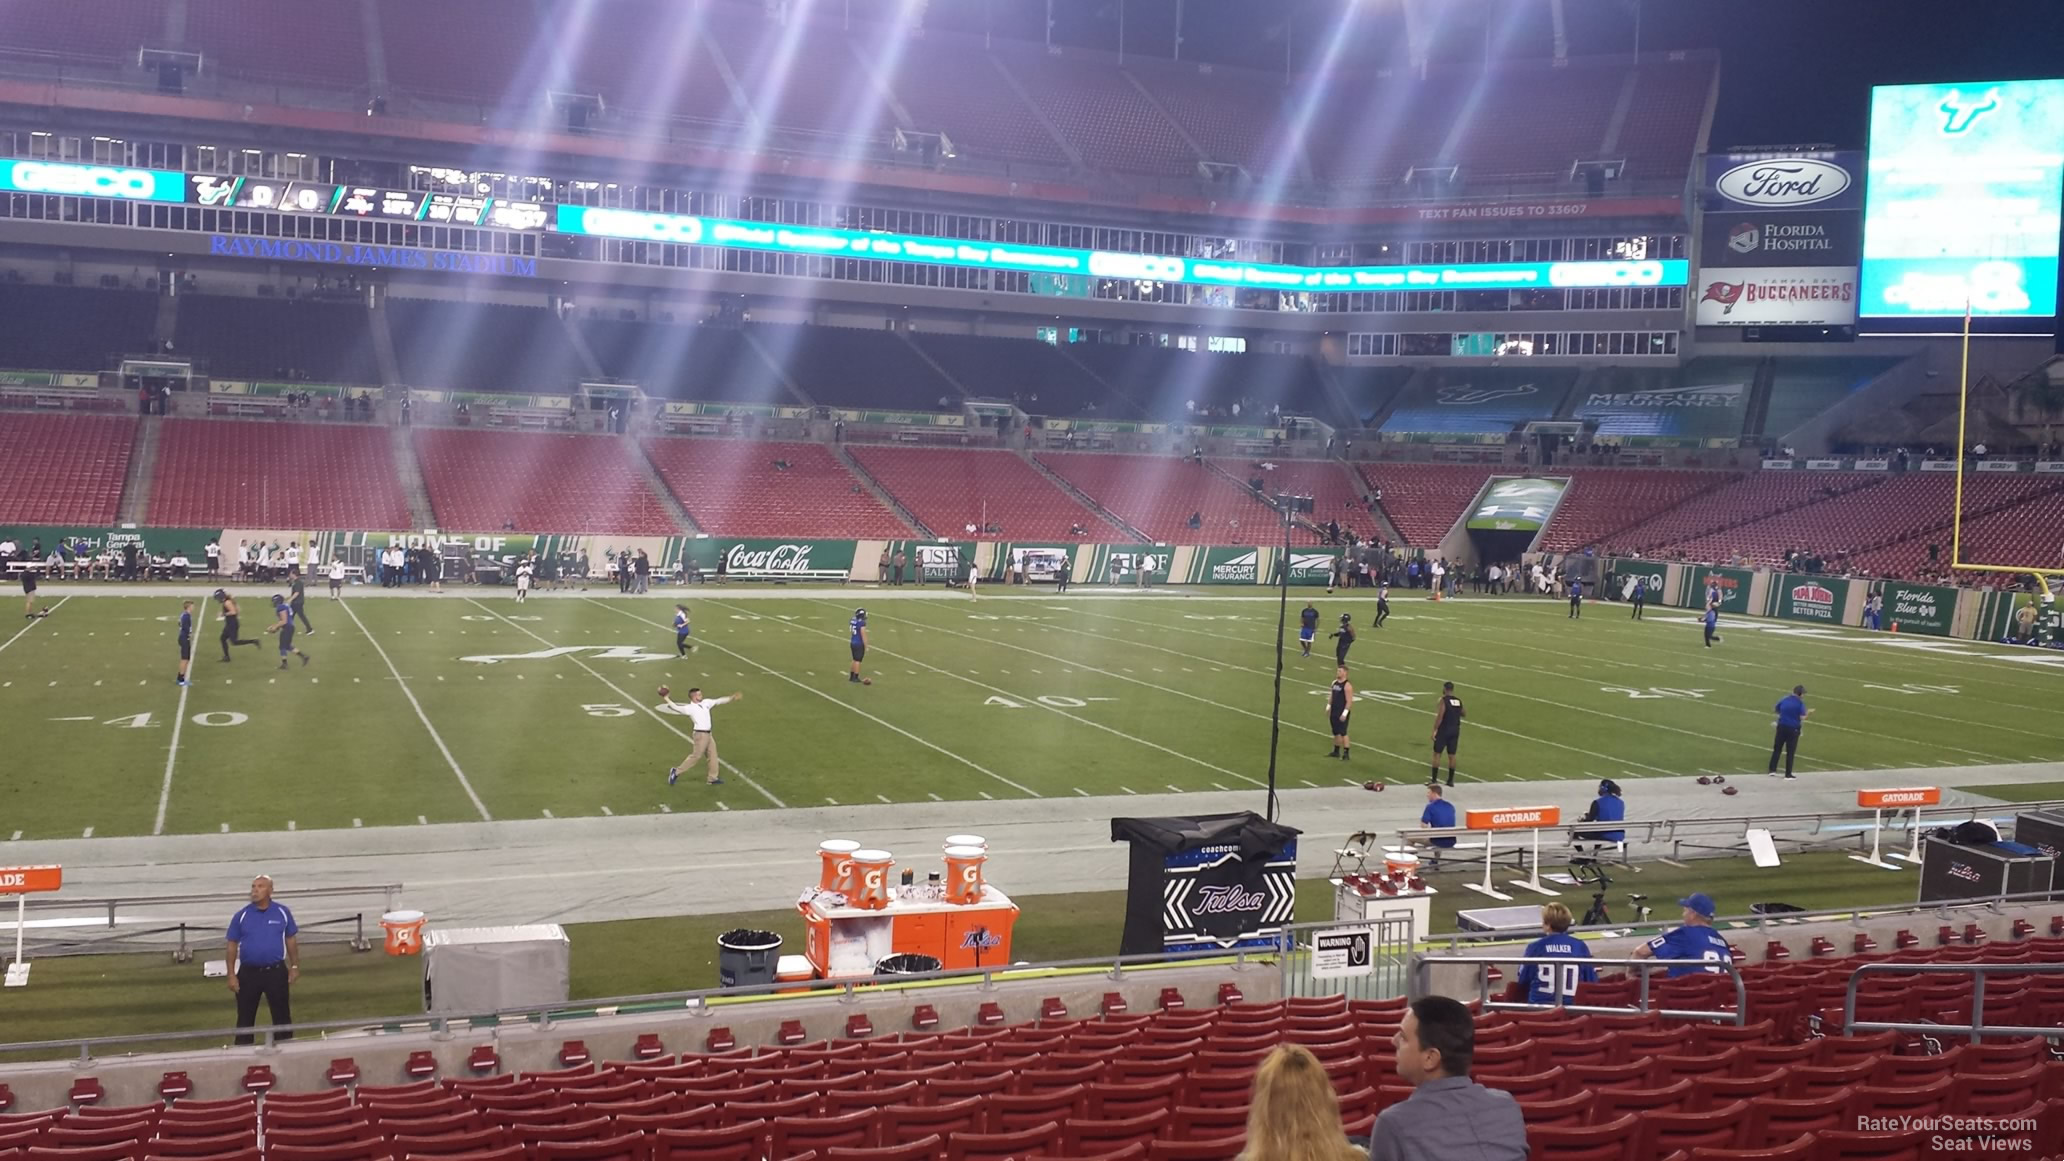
1307,628
283,624
1556,983
682,645
1696,945
186,619
858,625
1639,596
1576,598
1712,623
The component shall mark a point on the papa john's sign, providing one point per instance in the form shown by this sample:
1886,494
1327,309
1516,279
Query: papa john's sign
1812,598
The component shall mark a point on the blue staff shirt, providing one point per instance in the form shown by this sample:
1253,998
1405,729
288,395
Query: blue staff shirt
1439,812
1608,808
1703,946
1544,982
261,933
185,625
1791,712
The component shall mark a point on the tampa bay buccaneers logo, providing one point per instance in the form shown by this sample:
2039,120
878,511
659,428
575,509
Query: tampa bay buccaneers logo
1724,293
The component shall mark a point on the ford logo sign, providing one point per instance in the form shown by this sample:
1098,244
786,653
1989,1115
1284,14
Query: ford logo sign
1783,181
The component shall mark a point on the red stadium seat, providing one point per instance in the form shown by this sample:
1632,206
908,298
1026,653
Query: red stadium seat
742,1141
1002,1146
922,1149
623,1147
1611,1140
1217,1149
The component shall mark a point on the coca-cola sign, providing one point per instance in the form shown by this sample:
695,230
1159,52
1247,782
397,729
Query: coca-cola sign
781,559
1786,183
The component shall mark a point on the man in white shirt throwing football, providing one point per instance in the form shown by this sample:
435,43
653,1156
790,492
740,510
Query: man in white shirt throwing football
697,711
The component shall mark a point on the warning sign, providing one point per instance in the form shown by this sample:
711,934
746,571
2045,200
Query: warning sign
1342,952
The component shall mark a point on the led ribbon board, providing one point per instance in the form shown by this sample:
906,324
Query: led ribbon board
1965,189
687,230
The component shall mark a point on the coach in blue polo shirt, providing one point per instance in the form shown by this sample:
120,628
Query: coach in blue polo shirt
264,957
1791,718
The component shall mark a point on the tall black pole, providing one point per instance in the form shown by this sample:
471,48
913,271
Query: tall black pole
1275,729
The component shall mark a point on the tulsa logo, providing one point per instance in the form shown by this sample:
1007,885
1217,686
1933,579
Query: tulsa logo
1218,898
1959,114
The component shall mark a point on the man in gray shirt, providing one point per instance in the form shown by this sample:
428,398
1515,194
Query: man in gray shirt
1448,1117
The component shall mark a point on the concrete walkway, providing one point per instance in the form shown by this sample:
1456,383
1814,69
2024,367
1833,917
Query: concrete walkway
577,870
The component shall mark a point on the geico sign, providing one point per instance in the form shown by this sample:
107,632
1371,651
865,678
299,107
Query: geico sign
98,181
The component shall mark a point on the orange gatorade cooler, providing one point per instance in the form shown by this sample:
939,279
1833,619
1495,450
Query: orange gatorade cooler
871,871
964,874
1399,862
404,932
968,840
837,874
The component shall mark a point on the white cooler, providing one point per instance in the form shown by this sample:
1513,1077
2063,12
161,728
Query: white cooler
478,969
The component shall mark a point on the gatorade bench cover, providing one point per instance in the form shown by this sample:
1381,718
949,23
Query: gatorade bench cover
1212,882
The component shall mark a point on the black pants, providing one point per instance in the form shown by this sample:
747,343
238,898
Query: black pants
1788,742
269,981
1576,606
1638,603
232,634
303,615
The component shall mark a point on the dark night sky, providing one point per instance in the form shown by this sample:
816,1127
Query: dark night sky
1794,71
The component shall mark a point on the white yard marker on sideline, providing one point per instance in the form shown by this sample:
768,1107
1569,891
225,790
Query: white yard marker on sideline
883,797
608,812
1082,792
548,814
422,821
16,838
665,809
356,822
420,715
290,824
934,797
172,751
986,794
721,806
1128,790
225,828
88,833
1173,786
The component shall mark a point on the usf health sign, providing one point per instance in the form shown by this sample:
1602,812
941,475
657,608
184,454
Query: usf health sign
1915,608
1801,597
1516,505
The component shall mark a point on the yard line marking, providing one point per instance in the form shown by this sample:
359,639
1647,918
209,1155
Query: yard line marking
290,824
883,797
968,762
830,799
1082,792
1173,786
1309,782
88,833
548,814
1220,785
31,625
665,809
608,812
934,797
628,699
986,794
420,715
422,821
1159,689
357,822
721,806
172,751
1350,782
225,828
1514,778
1128,790
16,838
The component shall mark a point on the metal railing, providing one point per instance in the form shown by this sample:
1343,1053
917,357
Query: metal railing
697,1002
1840,826
1421,965
193,920
1761,922
1977,1028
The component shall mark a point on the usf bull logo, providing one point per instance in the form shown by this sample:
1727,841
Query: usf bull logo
1467,394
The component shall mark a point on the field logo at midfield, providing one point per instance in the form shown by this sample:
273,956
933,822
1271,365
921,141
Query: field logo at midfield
1244,568
608,653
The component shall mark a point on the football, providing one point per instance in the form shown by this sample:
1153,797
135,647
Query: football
665,692
1729,790
1376,786
867,681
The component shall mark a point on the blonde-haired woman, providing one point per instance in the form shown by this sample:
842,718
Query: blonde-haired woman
1294,1116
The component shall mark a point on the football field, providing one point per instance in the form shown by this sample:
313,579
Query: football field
420,709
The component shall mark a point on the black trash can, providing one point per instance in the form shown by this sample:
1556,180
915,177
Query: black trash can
746,958
907,964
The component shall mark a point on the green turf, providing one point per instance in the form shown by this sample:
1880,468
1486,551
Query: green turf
2021,791
1000,698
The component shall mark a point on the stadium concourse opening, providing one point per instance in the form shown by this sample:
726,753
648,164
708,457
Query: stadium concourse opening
632,499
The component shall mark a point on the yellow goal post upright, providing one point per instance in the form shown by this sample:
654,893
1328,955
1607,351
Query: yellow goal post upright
1956,535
